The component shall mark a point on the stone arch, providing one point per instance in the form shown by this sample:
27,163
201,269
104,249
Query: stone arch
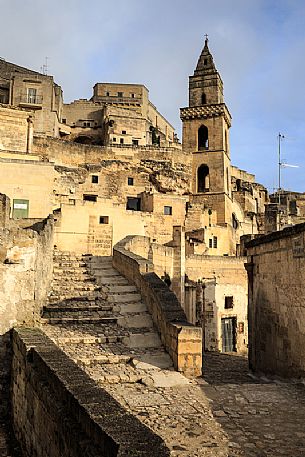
203,137
203,178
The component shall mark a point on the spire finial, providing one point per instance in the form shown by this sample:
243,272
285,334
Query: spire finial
206,39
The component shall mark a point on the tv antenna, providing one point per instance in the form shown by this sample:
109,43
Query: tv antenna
282,164
44,68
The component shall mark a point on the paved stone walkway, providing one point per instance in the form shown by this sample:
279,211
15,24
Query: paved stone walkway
226,413
261,417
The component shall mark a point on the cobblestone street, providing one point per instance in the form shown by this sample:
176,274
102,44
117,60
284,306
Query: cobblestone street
261,418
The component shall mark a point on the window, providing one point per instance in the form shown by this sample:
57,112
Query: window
114,140
90,198
215,242
229,302
107,94
210,243
168,210
104,219
64,121
20,209
132,95
133,204
94,179
121,140
203,137
203,99
120,94
203,179
32,93
205,61
87,124
135,142
130,181
123,132
71,201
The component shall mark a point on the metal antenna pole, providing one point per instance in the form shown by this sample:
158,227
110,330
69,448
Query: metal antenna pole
280,136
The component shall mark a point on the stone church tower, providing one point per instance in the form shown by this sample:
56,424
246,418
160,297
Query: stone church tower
206,124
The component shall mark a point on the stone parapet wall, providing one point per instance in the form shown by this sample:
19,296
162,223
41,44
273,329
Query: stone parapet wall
183,341
59,411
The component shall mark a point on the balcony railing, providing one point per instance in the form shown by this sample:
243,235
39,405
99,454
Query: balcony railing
116,99
33,100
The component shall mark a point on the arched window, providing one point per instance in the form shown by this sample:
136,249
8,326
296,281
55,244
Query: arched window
203,137
203,179
203,99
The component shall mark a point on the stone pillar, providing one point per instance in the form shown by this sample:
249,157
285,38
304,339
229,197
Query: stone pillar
179,264
30,132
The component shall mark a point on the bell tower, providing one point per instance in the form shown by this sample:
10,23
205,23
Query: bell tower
206,124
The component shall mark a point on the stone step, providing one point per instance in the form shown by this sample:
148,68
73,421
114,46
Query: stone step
112,280
141,320
144,340
124,298
107,272
118,288
95,299
103,359
79,320
114,374
75,287
88,340
127,308
73,308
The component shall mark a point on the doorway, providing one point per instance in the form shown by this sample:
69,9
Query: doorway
228,331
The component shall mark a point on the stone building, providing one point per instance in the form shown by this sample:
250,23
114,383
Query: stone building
276,302
111,167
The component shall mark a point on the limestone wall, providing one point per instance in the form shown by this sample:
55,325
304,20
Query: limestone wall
13,128
276,269
25,273
58,411
183,341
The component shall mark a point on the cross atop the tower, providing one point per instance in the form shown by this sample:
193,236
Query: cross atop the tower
206,38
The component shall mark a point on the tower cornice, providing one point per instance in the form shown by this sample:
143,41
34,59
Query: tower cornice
206,112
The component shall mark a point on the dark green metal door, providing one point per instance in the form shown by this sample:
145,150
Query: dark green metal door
228,329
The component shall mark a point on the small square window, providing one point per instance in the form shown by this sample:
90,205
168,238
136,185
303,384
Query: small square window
71,201
130,181
114,140
120,94
121,140
94,179
135,142
64,121
168,211
104,219
215,242
123,132
210,243
229,302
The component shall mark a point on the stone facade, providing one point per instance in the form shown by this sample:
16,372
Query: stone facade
276,295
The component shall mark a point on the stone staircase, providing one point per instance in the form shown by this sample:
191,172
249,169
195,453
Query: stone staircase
99,319
75,297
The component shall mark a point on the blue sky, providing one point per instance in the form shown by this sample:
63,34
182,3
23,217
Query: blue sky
258,47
